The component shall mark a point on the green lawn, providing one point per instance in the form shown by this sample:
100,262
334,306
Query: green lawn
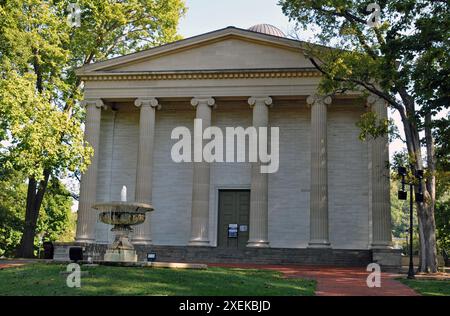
429,287
45,279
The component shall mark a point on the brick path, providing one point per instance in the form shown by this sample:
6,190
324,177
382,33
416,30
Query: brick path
10,265
332,281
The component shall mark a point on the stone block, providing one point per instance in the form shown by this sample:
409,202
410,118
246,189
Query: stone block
388,259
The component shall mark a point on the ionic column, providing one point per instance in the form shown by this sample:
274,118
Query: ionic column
148,106
319,236
381,210
87,216
200,183
258,231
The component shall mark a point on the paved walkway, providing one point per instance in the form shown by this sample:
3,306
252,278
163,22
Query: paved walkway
10,265
333,281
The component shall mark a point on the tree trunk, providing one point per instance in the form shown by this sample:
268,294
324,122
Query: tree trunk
425,210
430,226
34,201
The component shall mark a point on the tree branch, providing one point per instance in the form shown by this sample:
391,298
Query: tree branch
369,87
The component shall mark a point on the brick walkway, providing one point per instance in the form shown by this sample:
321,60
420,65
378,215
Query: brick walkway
332,281
10,265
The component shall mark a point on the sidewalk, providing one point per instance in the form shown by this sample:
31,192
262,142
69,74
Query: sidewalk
334,281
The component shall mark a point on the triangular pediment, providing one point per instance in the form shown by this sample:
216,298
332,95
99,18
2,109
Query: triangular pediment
226,49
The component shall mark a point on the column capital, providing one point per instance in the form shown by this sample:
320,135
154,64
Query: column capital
317,98
374,100
209,101
263,100
98,103
147,102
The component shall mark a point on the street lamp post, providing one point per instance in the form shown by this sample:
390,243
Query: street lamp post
402,195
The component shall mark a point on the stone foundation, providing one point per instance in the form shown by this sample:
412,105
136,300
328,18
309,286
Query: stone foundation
120,255
282,256
388,259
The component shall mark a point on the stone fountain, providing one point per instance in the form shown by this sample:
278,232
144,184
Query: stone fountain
122,215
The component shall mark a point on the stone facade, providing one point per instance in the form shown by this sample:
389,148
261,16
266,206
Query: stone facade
289,188
330,190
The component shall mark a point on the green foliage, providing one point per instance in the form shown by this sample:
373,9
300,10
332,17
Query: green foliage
405,60
371,126
56,213
39,52
442,215
400,220
442,151
55,220
399,213
40,114
39,135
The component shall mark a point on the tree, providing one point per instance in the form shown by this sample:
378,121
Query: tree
40,114
404,60
441,133
54,221
442,136
443,228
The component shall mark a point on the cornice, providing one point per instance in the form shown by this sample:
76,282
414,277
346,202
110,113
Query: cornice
202,75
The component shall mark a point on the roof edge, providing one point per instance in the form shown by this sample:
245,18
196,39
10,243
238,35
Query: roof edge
191,41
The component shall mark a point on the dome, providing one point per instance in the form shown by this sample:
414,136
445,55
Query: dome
267,29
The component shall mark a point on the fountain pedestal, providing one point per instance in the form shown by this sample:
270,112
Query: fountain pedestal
121,250
122,215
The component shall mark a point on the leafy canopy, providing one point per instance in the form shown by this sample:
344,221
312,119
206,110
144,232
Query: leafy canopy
40,116
406,55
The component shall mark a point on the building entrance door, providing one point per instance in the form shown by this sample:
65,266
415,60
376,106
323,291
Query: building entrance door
234,210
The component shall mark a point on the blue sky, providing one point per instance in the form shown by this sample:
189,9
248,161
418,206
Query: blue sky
208,15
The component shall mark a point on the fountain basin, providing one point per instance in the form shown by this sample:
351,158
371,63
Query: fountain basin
122,215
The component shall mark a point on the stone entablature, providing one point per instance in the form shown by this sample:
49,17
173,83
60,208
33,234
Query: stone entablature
204,74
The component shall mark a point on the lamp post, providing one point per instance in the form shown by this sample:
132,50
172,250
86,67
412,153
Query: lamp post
402,195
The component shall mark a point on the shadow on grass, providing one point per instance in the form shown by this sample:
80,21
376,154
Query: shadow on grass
45,279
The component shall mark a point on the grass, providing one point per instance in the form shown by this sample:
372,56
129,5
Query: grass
429,287
45,279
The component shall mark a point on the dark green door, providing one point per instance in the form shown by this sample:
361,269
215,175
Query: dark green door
234,210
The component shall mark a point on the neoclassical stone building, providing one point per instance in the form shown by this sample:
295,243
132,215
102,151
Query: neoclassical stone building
327,203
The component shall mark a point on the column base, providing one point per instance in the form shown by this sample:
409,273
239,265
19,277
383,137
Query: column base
319,244
258,244
381,245
198,242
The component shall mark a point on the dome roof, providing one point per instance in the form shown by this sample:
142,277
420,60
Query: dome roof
267,29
